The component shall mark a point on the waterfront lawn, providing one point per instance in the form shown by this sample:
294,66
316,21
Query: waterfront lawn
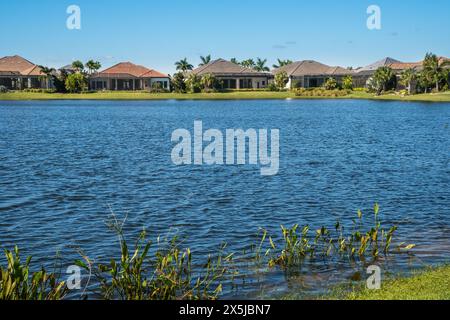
235,95
429,284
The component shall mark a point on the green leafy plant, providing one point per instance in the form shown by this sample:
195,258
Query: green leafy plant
18,283
166,274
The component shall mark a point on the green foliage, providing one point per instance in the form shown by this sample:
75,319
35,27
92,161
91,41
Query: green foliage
347,83
282,63
3,89
205,60
178,83
330,84
320,92
384,79
260,65
193,83
297,246
93,66
157,88
281,80
167,275
209,82
76,83
407,77
18,283
249,63
183,65
78,66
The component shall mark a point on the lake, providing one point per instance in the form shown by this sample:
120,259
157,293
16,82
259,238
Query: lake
65,165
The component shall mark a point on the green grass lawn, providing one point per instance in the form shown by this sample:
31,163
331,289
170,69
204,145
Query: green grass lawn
236,95
429,284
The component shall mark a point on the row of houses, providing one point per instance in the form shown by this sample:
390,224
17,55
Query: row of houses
17,73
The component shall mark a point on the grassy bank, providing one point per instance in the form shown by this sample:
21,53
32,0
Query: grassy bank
428,284
236,95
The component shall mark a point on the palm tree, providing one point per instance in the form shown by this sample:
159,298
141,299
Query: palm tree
261,65
433,68
383,76
184,65
235,61
78,66
93,66
205,60
407,77
48,73
281,63
249,63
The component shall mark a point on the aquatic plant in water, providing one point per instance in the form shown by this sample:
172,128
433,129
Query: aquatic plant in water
294,246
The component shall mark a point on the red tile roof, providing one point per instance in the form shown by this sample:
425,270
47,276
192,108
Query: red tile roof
19,66
131,69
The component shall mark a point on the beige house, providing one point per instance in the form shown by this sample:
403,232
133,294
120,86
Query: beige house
234,76
17,73
128,76
310,74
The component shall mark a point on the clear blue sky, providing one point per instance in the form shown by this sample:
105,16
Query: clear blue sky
158,33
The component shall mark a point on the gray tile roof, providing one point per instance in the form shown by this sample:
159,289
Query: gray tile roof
311,68
221,67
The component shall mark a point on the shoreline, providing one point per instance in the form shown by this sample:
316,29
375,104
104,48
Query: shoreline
226,96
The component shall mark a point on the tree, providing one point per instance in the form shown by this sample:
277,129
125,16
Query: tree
48,73
93,66
76,83
205,60
385,77
330,84
208,81
183,65
281,63
281,80
374,85
249,63
261,65
193,83
235,61
407,77
178,83
434,70
78,66
347,82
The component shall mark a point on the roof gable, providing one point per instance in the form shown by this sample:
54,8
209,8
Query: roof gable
128,68
17,64
309,68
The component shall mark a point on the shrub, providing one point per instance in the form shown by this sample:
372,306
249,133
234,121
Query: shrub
281,80
320,92
272,87
178,83
17,282
157,88
193,84
347,83
3,89
76,83
330,84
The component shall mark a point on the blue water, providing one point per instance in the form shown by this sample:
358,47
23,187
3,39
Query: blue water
64,165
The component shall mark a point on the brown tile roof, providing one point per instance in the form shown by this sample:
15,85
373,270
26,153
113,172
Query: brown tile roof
16,65
221,67
311,68
130,69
